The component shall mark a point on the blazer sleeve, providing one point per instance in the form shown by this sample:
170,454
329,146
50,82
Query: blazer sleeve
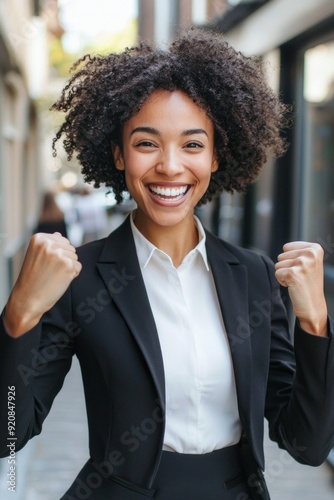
300,390
32,371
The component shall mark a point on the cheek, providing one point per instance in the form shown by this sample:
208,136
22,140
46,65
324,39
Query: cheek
134,173
132,168
204,170
138,168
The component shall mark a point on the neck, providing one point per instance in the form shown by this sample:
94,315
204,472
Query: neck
176,241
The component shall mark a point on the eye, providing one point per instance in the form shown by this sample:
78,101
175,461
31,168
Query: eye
145,144
194,145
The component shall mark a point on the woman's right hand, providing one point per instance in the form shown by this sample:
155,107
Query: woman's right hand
49,266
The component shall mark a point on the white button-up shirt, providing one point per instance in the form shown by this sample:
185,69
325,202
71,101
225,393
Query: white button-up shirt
201,402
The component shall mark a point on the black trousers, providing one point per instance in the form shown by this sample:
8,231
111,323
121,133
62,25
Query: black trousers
213,476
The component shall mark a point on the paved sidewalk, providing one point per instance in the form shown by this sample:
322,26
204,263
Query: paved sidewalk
49,463
47,466
290,480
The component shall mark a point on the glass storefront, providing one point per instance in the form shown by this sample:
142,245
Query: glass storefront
317,215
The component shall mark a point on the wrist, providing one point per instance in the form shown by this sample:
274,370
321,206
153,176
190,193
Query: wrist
19,319
316,326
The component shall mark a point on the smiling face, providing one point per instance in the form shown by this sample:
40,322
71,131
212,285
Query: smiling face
168,157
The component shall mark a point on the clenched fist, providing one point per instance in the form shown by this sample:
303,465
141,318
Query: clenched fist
49,266
300,269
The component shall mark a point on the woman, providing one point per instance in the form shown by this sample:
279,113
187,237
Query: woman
182,339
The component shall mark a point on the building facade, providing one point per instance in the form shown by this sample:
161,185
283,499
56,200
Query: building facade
160,20
23,69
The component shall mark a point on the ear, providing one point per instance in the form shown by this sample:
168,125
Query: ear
214,164
118,157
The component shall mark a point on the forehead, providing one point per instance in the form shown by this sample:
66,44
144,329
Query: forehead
170,109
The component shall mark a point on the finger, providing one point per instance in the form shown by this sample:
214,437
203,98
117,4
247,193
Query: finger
60,250
282,281
288,277
59,234
52,236
55,238
64,255
301,263
294,245
67,265
52,241
60,239
283,264
306,257
76,269
312,251
301,245
63,252
65,249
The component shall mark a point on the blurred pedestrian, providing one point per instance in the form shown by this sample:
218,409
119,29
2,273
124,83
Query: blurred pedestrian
183,339
92,215
51,218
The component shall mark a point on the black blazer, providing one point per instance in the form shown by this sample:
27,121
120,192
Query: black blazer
105,319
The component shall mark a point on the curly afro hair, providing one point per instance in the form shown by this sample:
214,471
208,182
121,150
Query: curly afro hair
105,91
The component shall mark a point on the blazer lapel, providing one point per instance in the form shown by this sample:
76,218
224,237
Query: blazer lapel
232,288
119,268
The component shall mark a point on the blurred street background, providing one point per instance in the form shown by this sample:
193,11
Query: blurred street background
292,200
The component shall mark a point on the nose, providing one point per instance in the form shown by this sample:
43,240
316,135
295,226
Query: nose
170,163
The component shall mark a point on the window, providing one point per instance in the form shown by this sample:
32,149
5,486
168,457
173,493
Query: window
317,168
318,147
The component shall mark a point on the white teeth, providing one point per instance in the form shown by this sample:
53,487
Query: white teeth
169,192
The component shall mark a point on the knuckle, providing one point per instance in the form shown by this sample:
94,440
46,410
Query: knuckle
315,249
292,273
35,237
319,249
47,247
300,261
313,252
69,264
76,269
38,239
79,267
58,252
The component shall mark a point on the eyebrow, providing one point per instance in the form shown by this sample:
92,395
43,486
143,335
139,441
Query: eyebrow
193,131
149,130
154,131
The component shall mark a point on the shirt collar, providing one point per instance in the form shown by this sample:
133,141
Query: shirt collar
145,249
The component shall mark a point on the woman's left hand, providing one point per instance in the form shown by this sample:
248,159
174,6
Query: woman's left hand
300,269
